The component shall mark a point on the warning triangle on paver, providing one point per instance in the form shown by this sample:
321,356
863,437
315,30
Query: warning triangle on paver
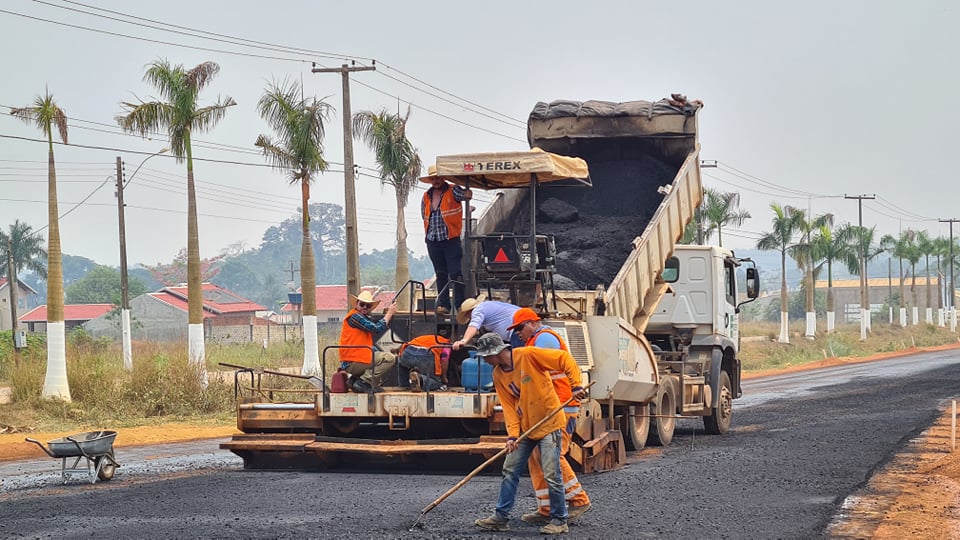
501,257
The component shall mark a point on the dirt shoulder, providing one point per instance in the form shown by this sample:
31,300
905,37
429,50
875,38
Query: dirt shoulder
13,446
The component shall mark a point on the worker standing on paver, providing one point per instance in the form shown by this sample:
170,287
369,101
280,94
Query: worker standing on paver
534,333
525,390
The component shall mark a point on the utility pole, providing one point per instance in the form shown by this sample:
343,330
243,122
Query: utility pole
349,189
698,213
864,301
952,280
12,283
124,288
124,285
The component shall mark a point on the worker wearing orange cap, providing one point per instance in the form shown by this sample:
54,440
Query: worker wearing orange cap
533,333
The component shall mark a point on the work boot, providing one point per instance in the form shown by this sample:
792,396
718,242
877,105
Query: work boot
415,382
493,523
443,311
535,518
555,527
360,386
574,512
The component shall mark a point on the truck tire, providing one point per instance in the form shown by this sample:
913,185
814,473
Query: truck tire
719,422
636,426
663,411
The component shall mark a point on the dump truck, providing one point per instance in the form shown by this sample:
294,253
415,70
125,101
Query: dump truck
652,324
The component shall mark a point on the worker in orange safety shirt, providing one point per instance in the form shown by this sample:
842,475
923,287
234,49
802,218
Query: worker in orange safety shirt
533,333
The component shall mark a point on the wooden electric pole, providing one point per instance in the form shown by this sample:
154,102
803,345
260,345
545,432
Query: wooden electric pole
349,189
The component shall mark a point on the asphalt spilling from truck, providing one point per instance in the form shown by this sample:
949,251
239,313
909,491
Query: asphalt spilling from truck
595,226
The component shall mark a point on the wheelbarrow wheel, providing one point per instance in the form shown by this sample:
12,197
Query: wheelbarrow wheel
104,472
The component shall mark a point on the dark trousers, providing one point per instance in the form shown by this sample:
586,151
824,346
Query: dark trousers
447,257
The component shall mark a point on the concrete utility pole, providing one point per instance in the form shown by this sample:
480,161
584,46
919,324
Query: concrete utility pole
864,301
349,189
124,284
12,283
952,280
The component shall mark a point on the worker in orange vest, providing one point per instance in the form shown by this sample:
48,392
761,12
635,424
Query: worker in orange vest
427,357
442,212
368,367
534,333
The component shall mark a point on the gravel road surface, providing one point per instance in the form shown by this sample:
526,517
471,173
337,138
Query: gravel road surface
801,443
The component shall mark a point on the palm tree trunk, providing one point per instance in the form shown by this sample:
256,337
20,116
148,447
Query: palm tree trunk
784,314
196,352
831,313
914,307
403,259
811,314
55,383
308,288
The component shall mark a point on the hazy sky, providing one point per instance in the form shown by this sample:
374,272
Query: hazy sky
805,102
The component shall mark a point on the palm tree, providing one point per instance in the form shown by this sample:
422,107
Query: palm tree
298,123
926,247
28,252
722,209
21,248
786,222
864,238
904,247
941,249
834,245
180,116
802,252
45,114
399,166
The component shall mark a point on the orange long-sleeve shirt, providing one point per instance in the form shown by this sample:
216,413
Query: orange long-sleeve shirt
527,392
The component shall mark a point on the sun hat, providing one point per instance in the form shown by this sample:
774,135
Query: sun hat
463,314
364,297
490,344
431,175
523,315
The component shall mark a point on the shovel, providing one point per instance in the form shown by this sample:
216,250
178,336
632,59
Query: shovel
495,457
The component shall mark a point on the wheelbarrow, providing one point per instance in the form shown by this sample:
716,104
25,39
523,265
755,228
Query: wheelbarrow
94,447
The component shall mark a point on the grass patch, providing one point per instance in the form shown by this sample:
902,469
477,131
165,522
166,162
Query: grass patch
844,342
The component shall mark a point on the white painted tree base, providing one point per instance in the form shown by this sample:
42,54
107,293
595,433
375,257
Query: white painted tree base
915,315
198,356
928,316
831,321
125,337
811,332
311,352
941,320
903,316
55,384
784,328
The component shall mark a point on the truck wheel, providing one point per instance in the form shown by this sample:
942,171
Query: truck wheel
663,410
719,422
636,426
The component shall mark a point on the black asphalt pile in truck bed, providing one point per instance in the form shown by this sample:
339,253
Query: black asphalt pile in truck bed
592,247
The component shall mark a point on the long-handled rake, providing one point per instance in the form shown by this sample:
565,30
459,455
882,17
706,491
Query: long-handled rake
484,465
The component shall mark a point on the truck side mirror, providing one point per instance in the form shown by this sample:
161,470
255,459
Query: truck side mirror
753,283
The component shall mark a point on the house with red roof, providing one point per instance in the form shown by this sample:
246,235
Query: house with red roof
163,315
24,293
332,304
74,315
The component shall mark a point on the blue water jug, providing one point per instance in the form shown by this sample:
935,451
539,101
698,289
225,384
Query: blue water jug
471,378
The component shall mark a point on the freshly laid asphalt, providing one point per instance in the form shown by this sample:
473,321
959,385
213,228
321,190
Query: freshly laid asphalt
801,444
